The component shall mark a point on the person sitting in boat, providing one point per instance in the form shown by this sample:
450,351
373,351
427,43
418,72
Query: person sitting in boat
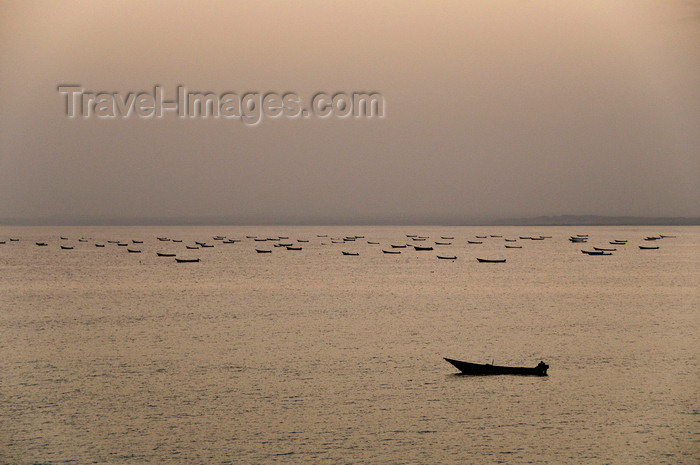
542,365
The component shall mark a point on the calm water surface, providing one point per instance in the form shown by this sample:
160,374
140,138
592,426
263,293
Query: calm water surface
311,356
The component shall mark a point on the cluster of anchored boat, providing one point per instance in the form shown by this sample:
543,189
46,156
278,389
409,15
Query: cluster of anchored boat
413,242
583,238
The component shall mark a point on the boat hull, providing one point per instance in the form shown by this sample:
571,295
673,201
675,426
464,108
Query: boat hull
468,368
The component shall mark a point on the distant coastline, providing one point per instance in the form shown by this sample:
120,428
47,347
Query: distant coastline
560,220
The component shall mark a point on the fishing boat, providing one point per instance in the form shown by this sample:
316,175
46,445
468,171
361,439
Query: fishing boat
67,247
654,247
443,243
289,247
514,246
393,246
417,247
447,237
474,242
163,239
191,247
161,254
601,249
136,242
351,253
263,251
99,245
443,257
596,252
491,260
133,250
393,252
187,260
373,243
41,244
468,368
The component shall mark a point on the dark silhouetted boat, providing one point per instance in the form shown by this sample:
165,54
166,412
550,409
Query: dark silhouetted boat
596,252
187,260
393,252
443,257
648,247
206,245
443,243
67,247
122,244
468,368
63,238
474,242
133,250
446,237
13,240
290,247
373,243
263,251
662,236
177,240
160,254
351,253
491,260
417,247
480,237
393,246
601,249
136,242
192,247
163,239
419,239
41,244
514,246
99,245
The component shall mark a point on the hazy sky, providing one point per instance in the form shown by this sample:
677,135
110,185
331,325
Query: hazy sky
492,109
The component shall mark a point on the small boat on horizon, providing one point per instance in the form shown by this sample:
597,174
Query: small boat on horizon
443,257
468,368
133,251
514,246
474,242
393,252
648,247
418,247
595,252
41,244
187,260
351,253
491,260
263,251
161,254
67,247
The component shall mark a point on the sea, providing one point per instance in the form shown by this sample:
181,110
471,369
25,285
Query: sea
312,356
